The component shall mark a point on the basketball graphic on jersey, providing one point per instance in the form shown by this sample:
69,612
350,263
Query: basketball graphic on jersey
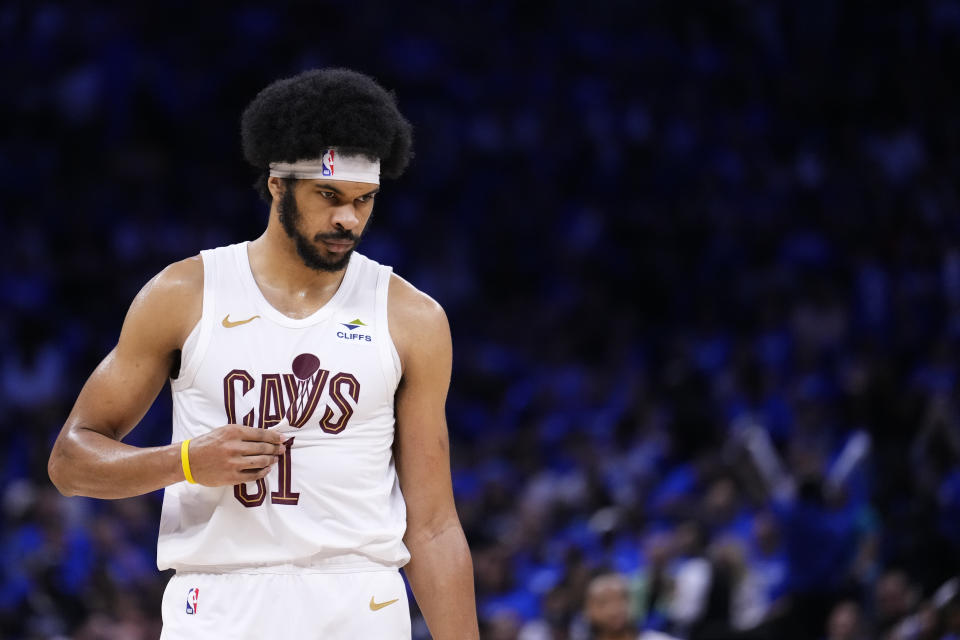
306,370
305,365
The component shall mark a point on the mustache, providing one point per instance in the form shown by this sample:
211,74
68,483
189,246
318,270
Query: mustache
344,234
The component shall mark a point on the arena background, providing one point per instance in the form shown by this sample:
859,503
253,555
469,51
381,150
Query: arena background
702,267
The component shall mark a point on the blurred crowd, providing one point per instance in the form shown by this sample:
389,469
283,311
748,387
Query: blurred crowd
702,268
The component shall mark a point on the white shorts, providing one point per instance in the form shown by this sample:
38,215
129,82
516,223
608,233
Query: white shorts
327,606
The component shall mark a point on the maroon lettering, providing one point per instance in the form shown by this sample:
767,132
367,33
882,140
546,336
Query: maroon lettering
296,397
271,400
230,404
285,493
327,422
230,397
254,499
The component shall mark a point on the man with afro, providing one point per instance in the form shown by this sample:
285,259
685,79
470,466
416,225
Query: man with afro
309,459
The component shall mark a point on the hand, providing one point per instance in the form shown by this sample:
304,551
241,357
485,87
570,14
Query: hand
233,453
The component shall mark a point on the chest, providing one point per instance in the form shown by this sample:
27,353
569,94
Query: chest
329,375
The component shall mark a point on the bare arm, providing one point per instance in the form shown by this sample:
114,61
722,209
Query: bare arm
777,480
89,458
440,570
854,452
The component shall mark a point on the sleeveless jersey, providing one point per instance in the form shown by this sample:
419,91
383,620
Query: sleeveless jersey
327,382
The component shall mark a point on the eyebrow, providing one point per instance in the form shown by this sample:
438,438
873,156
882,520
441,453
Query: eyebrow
329,187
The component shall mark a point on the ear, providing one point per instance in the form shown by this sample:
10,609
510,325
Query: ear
276,187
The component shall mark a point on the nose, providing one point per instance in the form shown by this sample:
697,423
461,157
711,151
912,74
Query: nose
345,216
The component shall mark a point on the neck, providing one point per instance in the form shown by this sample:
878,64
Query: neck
284,279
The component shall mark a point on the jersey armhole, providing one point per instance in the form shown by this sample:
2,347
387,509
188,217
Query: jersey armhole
389,357
195,346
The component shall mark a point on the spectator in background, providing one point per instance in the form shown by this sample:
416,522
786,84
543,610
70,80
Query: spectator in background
894,599
691,577
822,536
735,604
935,457
32,376
556,617
937,618
502,625
846,622
652,585
768,562
607,609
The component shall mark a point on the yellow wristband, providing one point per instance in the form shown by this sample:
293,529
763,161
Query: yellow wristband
185,461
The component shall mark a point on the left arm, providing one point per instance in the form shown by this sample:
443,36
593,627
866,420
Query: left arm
440,570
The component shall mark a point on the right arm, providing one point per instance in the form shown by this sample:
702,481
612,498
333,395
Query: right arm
89,457
777,481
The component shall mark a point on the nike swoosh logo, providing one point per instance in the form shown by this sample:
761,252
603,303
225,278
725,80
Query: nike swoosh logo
230,325
376,606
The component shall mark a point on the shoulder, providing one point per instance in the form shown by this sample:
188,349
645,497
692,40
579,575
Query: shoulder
409,304
182,278
172,301
415,319
178,283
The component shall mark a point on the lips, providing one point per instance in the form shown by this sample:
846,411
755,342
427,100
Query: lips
338,245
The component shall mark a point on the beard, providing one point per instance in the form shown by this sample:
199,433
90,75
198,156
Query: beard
289,215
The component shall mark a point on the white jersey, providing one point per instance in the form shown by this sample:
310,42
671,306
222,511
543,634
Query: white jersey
327,381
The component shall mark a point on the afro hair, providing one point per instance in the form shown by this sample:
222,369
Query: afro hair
301,117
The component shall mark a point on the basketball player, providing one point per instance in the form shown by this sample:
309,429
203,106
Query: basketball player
308,386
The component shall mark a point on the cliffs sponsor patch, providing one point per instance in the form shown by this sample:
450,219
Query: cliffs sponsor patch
354,332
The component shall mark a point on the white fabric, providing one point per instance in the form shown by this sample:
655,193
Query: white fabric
350,514
749,603
332,166
308,606
692,582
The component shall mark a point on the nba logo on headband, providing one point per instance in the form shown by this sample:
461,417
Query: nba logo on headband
330,165
327,162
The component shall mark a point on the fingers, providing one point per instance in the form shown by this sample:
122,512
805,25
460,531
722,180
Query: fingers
262,435
236,454
258,449
263,440
270,449
250,475
256,462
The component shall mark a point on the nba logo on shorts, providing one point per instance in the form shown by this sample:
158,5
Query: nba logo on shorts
192,597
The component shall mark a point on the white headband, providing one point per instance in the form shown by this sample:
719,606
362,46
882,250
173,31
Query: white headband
330,165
